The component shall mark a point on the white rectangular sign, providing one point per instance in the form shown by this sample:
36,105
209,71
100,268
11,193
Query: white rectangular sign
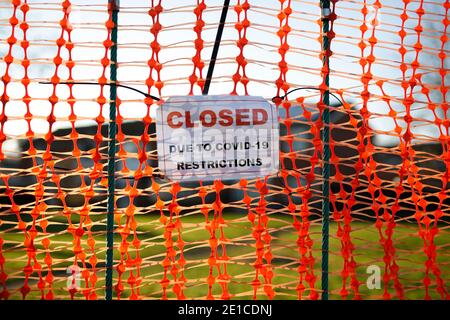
217,137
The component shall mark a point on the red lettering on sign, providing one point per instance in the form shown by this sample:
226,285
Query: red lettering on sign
224,117
241,115
263,119
204,119
170,119
189,123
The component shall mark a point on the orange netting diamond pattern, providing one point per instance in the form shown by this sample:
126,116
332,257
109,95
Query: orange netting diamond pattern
236,239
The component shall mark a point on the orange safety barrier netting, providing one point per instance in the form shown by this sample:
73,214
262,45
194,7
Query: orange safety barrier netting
239,239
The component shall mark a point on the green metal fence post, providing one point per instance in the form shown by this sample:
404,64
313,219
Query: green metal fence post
112,129
325,6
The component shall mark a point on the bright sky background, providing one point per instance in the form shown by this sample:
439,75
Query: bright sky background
177,38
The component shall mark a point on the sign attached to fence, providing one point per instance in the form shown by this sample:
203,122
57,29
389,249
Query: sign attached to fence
217,137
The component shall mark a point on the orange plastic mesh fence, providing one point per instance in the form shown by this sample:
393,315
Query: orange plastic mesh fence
242,239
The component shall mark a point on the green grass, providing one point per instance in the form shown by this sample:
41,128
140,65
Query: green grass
241,251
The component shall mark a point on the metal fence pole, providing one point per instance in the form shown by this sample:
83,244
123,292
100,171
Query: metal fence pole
112,129
325,6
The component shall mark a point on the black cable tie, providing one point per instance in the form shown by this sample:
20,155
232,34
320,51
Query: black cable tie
277,99
106,84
